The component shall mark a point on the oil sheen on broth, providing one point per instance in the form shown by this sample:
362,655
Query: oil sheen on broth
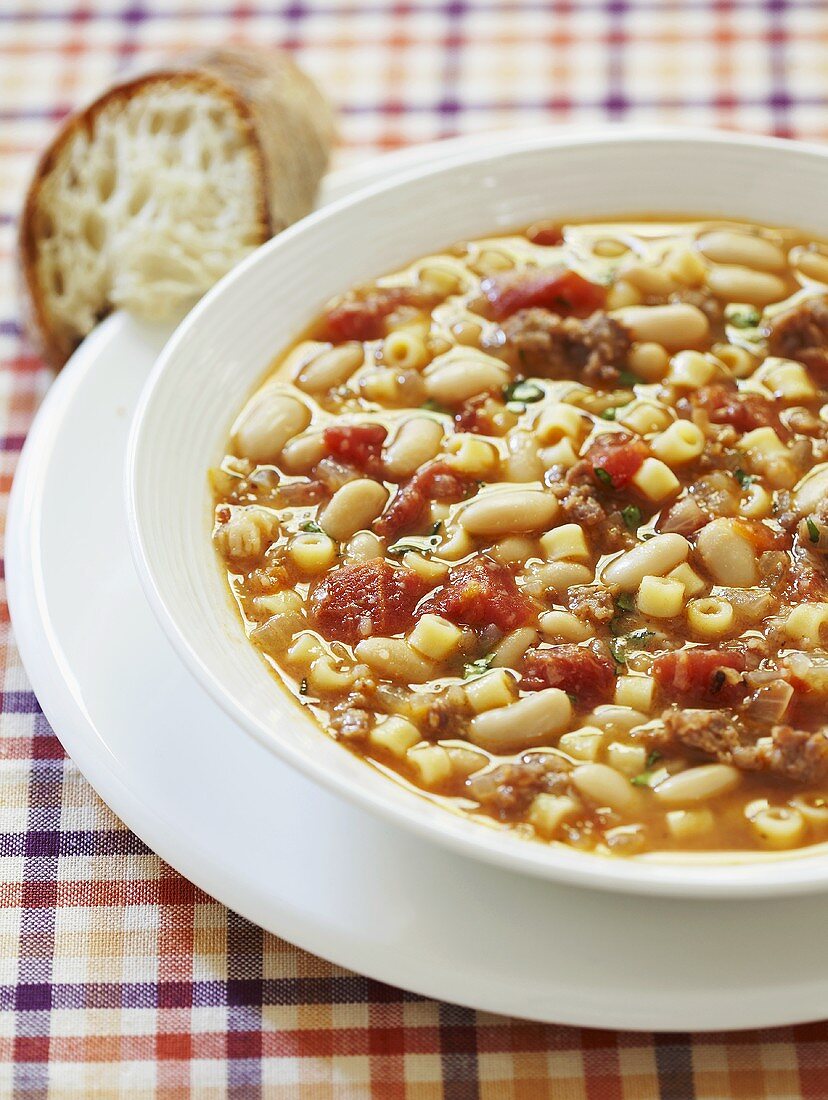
539,526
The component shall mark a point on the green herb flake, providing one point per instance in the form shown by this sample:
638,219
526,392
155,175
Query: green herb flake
813,530
434,406
653,758
609,414
647,536
523,392
420,544
311,527
641,635
303,687
628,379
618,650
651,777
625,602
743,316
743,478
603,476
632,517
476,668
642,779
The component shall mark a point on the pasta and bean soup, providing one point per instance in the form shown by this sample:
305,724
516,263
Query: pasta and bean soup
539,526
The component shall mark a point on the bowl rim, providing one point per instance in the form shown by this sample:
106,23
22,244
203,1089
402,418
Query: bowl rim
725,875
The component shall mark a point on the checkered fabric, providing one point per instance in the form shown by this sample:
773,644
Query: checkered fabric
117,976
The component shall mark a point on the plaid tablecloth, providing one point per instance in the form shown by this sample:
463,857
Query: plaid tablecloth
117,976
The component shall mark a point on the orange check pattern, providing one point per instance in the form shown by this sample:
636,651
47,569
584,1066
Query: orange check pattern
118,977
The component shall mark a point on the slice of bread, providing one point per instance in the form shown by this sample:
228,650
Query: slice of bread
149,195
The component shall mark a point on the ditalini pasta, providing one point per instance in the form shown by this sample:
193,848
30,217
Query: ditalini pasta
539,526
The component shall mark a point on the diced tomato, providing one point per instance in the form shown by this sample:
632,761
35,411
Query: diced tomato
697,677
358,445
361,316
545,233
475,415
619,455
480,593
356,601
762,536
437,481
558,289
572,668
743,411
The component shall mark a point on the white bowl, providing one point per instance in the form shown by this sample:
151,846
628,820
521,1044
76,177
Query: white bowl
221,350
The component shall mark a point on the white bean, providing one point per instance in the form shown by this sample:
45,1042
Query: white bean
654,558
417,441
511,648
395,659
364,546
674,326
697,784
530,721
302,452
330,369
352,507
605,786
811,491
509,511
810,263
729,556
454,381
723,246
269,419
741,284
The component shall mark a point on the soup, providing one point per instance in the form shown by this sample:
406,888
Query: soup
538,526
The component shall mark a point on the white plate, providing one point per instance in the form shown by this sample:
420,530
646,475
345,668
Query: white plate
298,860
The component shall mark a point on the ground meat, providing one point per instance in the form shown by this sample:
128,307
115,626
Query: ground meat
545,344
742,411
802,333
788,753
580,671
351,723
507,790
355,601
550,288
717,494
581,503
480,593
444,715
477,414
591,602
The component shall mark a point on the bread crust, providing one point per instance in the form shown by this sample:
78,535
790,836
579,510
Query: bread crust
275,104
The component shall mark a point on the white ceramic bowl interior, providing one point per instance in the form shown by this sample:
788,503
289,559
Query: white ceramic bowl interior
221,350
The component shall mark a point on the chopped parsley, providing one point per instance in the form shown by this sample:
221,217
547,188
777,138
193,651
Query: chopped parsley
625,602
813,530
523,392
627,378
647,536
420,544
743,478
618,648
652,776
603,476
641,635
609,414
303,687
478,667
434,406
311,526
632,517
742,316
653,758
